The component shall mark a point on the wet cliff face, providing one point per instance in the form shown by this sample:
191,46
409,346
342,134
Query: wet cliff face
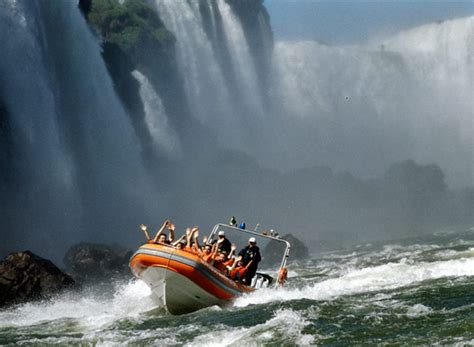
134,38
185,52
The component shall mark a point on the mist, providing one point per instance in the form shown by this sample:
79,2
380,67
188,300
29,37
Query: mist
336,144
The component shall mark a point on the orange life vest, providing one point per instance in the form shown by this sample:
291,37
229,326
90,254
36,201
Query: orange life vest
238,273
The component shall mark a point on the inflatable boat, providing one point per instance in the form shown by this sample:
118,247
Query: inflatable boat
182,282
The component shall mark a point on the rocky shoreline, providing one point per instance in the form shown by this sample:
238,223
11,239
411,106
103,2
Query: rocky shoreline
25,276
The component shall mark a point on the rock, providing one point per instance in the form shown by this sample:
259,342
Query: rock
25,276
97,262
273,252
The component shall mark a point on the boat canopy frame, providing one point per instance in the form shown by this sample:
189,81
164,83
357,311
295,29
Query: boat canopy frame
286,253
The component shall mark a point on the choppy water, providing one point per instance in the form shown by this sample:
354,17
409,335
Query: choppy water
422,293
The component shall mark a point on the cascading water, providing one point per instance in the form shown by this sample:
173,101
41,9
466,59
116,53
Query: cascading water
204,82
209,87
242,60
156,119
363,107
357,108
73,141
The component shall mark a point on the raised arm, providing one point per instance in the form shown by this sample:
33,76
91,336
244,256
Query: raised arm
179,240
144,228
160,231
195,232
232,250
236,260
171,228
189,235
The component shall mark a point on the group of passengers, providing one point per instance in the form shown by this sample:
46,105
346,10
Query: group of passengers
219,253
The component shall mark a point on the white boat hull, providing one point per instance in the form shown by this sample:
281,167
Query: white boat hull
177,293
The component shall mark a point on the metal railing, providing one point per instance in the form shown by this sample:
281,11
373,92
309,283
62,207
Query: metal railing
286,253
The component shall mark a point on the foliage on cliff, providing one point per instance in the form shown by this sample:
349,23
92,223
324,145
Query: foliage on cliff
133,26
134,38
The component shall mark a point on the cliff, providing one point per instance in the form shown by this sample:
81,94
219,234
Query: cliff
134,38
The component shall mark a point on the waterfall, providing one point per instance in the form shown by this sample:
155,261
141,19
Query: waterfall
242,61
76,163
360,108
205,85
217,69
76,150
156,120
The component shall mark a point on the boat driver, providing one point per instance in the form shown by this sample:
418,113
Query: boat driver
250,259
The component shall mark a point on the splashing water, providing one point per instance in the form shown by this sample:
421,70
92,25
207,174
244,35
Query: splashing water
89,310
370,294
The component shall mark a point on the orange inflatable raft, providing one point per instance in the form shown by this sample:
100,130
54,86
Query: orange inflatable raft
182,282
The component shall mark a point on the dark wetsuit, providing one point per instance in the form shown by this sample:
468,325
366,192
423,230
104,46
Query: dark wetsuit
224,246
250,254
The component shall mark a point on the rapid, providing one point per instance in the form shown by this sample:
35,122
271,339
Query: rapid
416,291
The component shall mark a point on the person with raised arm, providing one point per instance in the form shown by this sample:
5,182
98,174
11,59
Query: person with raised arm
160,236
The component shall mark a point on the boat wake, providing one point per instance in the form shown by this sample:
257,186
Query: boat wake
286,326
369,279
380,289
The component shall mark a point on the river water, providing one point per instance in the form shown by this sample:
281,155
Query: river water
417,292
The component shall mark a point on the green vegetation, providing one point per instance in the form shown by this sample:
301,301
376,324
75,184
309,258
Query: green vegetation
133,26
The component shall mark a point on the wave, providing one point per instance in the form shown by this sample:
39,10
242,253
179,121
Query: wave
285,323
370,279
90,310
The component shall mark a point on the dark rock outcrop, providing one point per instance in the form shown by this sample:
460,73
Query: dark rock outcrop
273,252
25,276
97,262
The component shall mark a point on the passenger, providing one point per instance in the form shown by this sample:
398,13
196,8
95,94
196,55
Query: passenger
162,239
181,245
250,259
207,253
204,242
223,244
219,261
189,239
238,271
159,234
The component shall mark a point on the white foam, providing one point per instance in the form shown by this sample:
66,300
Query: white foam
129,300
418,310
286,322
376,278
